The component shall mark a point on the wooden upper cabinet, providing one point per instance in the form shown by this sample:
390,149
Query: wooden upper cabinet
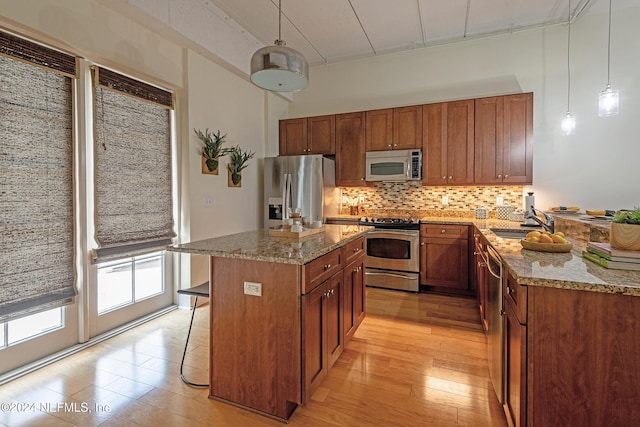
434,144
394,128
504,140
447,143
379,130
517,163
321,135
308,135
350,163
293,137
407,127
489,140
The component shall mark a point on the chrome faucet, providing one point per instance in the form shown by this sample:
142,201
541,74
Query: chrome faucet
548,225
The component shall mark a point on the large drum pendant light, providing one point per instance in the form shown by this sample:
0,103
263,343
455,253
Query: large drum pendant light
279,68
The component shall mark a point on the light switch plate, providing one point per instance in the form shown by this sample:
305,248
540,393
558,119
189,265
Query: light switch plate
445,200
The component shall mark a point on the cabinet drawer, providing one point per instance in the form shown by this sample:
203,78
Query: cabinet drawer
445,230
353,250
516,295
320,269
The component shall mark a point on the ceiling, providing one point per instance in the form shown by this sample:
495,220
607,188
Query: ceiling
329,31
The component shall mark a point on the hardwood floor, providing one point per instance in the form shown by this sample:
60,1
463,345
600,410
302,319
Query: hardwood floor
416,360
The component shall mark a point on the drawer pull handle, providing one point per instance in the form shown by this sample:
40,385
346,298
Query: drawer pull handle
327,266
508,290
356,250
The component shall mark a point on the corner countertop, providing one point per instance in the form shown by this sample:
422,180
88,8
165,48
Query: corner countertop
260,245
558,270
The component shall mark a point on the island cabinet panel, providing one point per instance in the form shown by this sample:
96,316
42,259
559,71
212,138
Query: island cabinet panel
267,357
323,336
350,150
583,358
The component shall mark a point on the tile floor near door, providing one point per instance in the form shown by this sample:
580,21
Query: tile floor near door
416,360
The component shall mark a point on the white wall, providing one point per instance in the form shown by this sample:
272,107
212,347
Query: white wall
220,100
595,169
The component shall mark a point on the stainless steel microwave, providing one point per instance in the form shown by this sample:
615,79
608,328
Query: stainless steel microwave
395,165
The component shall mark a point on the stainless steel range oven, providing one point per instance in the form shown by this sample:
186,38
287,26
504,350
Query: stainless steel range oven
393,253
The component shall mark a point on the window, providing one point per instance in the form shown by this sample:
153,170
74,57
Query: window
125,282
16,331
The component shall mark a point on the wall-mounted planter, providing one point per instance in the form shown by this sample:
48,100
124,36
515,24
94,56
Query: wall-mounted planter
210,166
234,179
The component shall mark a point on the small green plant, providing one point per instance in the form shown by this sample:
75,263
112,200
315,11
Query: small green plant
212,147
628,217
238,159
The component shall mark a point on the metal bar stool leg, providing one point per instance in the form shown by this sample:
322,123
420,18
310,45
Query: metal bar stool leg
184,379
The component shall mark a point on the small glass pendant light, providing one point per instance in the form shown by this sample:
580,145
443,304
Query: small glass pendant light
569,124
608,100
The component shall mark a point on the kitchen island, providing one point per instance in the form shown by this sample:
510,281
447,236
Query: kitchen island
571,330
281,310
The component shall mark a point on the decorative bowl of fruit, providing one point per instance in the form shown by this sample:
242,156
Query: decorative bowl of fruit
546,242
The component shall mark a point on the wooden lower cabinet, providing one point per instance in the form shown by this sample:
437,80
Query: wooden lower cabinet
444,256
480,275
322,331
573,361
354,297
515,354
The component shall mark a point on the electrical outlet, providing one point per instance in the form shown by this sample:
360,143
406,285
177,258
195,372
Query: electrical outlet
362,200
499,201
208,202
445,200
253,288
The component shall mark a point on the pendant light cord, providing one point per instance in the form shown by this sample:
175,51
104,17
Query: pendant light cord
609,47
279,19
568,60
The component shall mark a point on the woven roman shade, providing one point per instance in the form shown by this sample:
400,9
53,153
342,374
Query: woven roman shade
36,182
133,197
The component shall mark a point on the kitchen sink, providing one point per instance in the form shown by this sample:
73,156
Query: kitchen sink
511,233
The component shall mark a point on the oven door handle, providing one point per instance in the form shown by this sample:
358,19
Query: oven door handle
413,233
400,276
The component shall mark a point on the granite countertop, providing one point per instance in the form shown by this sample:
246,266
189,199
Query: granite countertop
260,245
559,270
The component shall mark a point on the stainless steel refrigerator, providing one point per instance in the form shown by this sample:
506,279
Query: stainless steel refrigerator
305,182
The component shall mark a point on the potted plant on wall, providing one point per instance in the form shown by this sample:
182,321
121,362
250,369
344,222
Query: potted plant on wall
211,150
625,230
238,159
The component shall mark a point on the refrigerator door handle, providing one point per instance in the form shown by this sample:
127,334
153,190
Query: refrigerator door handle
286,195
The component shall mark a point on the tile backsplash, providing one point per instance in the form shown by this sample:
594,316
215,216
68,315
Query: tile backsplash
413,196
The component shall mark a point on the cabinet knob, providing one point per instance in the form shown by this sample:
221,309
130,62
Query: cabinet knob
355,250
508,290
444,177
502,312
499,175
422,244
327,266
395,145
361,179
481,264
450,176
443,231
506,176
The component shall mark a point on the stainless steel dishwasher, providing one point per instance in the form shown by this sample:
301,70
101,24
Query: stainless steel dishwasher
495,322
